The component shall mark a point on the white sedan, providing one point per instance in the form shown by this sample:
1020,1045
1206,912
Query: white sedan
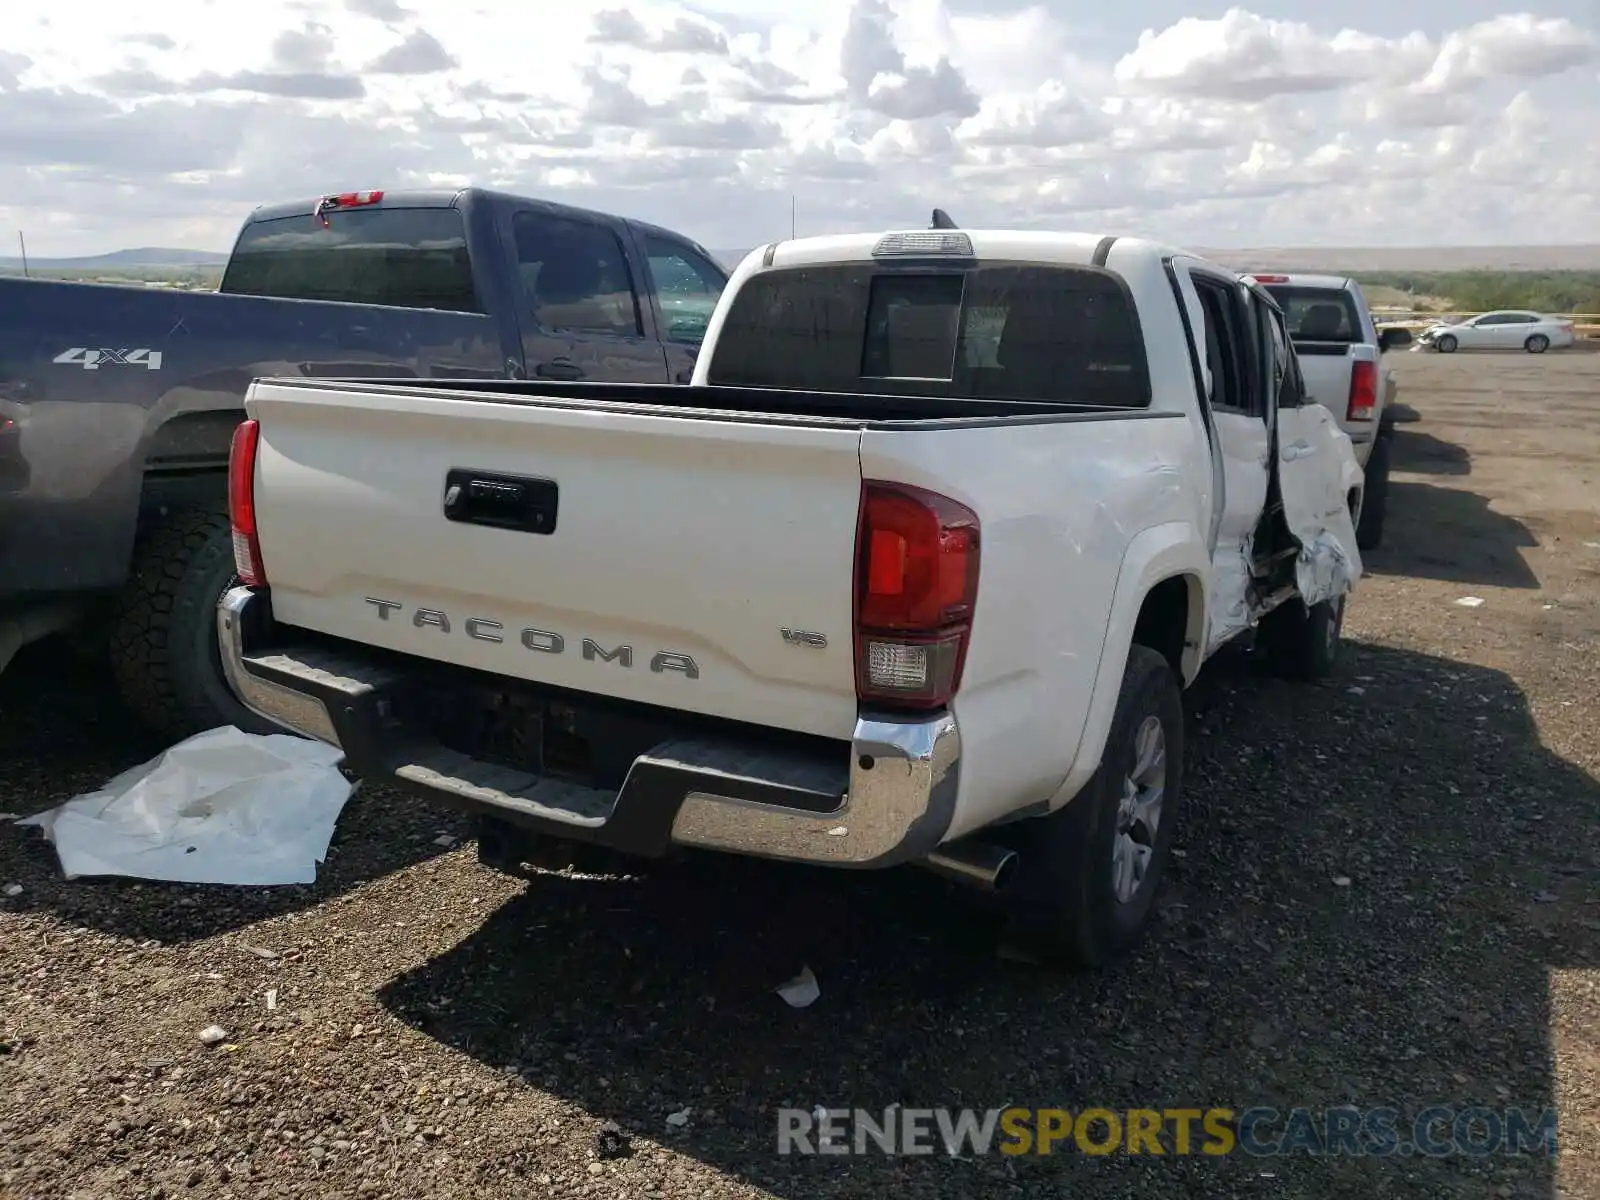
1509,329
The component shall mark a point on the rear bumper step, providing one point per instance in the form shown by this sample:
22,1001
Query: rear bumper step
890,802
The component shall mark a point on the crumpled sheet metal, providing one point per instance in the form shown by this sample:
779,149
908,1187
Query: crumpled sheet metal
1324,569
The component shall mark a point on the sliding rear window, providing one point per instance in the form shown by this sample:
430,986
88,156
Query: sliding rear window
1065,334
398,257
1318,314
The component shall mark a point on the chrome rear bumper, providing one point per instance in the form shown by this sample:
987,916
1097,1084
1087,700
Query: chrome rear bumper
889,802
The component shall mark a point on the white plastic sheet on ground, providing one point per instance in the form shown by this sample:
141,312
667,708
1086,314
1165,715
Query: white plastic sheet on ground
223,806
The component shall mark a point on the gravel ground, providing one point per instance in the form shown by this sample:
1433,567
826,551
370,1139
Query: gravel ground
1386,896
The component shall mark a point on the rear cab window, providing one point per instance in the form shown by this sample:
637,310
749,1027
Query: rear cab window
1318,314
576,277
395,257
994,331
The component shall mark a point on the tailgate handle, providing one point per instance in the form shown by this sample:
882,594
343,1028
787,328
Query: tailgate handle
523,503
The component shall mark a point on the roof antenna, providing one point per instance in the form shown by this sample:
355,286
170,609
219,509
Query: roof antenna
941,220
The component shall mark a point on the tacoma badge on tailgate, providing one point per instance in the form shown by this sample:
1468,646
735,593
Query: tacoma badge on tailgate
542,640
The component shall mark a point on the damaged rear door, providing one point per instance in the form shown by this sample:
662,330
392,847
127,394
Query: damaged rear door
1236,402
1318,474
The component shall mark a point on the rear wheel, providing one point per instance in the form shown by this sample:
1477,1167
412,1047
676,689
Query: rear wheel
1304,643
1537,344
163,636
1087,874
1446,344
1374,496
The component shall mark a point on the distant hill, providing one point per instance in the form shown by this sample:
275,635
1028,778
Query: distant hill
145,257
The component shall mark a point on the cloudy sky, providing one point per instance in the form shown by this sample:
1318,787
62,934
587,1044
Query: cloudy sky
1416,123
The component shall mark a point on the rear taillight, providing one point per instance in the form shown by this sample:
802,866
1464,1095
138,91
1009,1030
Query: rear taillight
1363,391
242,503
916,588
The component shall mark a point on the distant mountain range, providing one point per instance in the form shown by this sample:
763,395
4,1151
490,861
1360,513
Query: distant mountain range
145,257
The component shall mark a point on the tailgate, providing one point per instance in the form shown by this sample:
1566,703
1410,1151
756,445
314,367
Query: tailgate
1325,367
682,550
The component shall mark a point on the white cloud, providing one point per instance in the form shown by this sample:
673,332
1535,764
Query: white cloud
1241,56
880,78
1517,45
165,125
419,53
1053,117
619,27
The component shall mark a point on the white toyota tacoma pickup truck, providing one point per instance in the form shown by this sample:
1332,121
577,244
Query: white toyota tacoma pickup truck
1341,352
913,571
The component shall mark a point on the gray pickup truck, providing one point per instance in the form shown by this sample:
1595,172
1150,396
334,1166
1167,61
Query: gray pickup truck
1341,353
118,404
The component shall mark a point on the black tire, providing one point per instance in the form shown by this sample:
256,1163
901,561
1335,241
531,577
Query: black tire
1374,496
164,650
1062,903
89,642
1446,344
1304,643
1537,344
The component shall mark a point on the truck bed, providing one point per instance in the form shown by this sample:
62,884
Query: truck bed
719,402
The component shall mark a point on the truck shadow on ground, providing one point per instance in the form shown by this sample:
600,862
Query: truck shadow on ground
1371,891
63,731
1438,531
1449,534
1423,454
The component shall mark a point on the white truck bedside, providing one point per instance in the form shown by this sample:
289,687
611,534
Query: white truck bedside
913,571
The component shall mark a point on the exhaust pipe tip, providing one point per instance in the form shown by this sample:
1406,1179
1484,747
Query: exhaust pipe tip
974,864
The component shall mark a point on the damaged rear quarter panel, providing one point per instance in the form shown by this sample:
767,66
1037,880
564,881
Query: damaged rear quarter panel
1317,472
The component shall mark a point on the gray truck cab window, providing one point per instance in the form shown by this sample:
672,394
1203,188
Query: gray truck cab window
576,277
687,287
397,257
1319,314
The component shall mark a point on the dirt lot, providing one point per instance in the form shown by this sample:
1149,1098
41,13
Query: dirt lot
1387,897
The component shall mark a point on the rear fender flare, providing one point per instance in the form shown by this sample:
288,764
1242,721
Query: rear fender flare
1353,477
1353,485
1161,552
